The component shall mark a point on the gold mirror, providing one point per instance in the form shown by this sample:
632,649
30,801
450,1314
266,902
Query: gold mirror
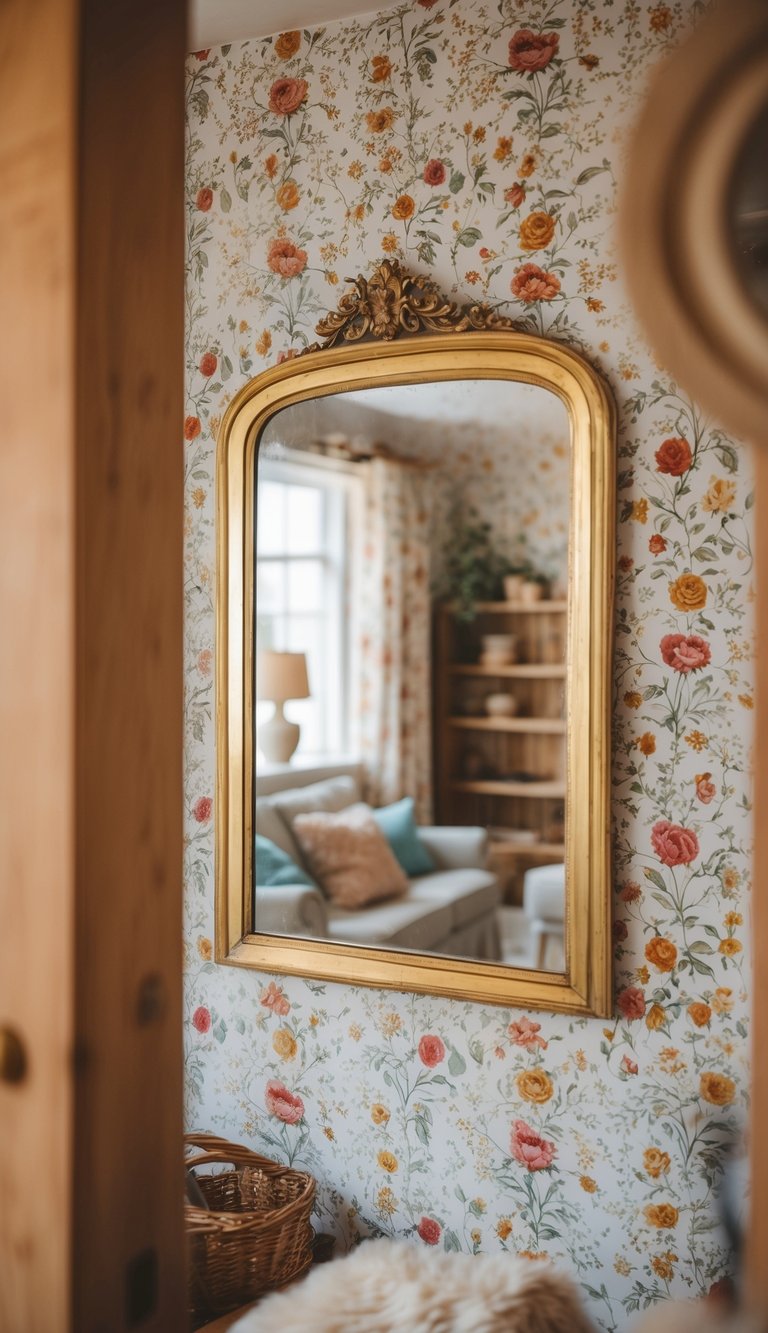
415,556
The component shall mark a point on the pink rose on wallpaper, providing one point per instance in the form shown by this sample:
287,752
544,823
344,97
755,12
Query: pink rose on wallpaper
192,428
531,283
274,998
285,258
287,1106
202,809
530,52
431,1051
631,1003
208,364
529,1148
429,1230
673,844
204,199
287,95
657,544
685,652
524,1032
434,172
628,1066
620,931
201,1019
515,194
705,788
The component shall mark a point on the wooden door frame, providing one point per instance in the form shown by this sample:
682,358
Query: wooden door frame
91,271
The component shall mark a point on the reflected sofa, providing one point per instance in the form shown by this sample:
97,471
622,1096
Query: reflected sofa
451,910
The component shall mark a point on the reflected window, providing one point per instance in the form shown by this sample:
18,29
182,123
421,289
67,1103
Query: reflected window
301,574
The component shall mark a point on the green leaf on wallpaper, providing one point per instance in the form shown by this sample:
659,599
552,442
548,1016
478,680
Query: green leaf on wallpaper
477,1050
706,623
700,947
589,173
225,50
226,367
469,236
456,1064
750,500
460,1195
704,553
422,1132
711,930
655,878
703,968
220,1030
451,1241
728,457
549,131
225,199
240,1025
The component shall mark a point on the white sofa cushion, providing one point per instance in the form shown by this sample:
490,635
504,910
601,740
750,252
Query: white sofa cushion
268,823
332,795
467,893
407,922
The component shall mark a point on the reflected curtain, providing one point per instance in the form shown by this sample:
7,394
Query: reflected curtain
391,631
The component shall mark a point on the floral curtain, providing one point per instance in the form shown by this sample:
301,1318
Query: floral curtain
391,635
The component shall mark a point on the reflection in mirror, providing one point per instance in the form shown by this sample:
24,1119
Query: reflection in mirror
748,205
411,634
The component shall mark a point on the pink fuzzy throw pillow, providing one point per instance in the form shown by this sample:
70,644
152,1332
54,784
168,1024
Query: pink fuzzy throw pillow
349,857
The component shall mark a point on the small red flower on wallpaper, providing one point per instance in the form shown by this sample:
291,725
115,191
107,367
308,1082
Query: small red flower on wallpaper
287,1106
274,998
525,1032
530,1149
287,95
429,1230
530,52
673,844
630,1003
531,283
431,1051
674,457
685,652
204,199
201,1019
657,544
515,194
285,258
208,364
434,172
202,808
628,1066
705,788
191,428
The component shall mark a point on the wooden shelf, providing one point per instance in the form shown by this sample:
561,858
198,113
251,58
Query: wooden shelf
546,726
501,787
533,670
508,847
521,608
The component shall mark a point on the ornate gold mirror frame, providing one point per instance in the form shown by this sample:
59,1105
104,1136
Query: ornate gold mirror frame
395,330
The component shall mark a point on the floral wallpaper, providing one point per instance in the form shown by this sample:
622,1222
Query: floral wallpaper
481,142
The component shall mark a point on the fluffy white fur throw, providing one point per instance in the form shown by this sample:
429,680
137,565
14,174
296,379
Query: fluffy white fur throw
394,1287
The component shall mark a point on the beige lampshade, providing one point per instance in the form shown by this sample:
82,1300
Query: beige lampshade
281,676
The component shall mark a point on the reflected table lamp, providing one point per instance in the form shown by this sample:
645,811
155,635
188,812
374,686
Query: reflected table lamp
279,677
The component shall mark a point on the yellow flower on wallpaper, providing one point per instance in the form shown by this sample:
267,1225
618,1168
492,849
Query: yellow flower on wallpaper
722,1000
696,739
588,1185
699,1013
717,1089
661,1215
688,592
534,1086
527,166
720,496
646,743
380,121
263,343
204,948
387,1161
287,196
655,1017
536,231
656,1162
503,1228
287,44
662,953
381,68
662,1265
284,1044
632,699
403,208
640,511
729,947
379,1114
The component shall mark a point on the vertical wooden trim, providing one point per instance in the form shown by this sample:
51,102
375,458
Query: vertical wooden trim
38,72
757,1236
128,1177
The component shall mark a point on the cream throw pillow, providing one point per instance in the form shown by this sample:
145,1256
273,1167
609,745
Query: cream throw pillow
349,856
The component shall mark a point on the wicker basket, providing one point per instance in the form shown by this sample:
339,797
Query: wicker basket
255,1234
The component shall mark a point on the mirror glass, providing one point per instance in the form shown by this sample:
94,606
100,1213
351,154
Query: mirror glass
411,590
748,204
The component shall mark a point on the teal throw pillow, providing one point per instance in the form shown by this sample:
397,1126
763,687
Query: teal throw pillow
275,867
399,828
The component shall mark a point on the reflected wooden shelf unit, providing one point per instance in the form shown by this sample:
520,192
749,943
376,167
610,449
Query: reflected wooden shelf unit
478,757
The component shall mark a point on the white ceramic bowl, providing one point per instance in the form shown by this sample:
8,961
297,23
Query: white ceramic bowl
500,705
